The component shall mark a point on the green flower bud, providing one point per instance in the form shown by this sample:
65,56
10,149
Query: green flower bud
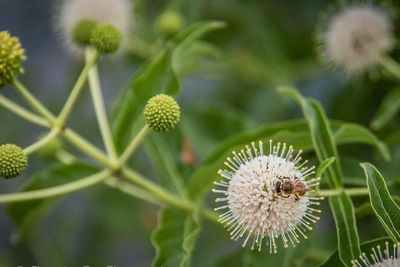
51,148
11,56
81,33
13,161
170,22
162,113
106,38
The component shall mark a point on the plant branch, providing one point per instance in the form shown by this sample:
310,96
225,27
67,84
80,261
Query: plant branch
22,112
42,142
360,191
99,106
390,65
77,89
56,190
137,140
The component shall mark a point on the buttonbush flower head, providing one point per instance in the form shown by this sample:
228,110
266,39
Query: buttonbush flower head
267,196
13,161
11,56
82,31
73,12
170,22
389,257
106,38
355,36
162,113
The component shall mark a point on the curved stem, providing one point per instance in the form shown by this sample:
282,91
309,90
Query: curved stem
134,145
360,191
77,89
42,142
56,190
390,65
22,112
99,106
36,105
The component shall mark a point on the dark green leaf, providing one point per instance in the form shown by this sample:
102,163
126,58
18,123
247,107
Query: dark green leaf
385,208
334,260
387,110
26,214
175,238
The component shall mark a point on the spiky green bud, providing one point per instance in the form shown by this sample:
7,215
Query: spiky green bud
106,38
13,161
162,113
170,22
82,31
11,56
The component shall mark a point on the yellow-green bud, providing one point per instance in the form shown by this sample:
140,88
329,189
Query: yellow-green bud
13,161
51,148
162,113
11,56
170,22
82,31
106,38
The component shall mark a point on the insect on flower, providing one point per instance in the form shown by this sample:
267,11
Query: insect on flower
389,257
267,196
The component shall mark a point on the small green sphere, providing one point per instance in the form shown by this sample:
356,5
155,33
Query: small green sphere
13,161
162,113
11,56
170,22
81,33
106,38
51,148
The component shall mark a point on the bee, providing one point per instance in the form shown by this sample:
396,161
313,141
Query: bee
285,187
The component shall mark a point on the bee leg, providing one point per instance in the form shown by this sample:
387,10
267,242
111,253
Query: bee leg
296,197
287,196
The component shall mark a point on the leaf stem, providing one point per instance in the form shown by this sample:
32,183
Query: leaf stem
22,112
99,106
36,105
390,65
56,190
42,142
137,140
77,89
359,191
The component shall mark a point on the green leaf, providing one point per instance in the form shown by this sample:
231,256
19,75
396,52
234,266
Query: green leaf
325,147
350,132
387,110
164,163
334,260
344,215
26,214
157,76
175,237
323,166
385,208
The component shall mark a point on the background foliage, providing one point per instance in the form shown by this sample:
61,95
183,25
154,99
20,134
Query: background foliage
227,84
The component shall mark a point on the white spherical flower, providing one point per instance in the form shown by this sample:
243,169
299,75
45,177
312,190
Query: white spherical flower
267,196
389,257
355,37
71,12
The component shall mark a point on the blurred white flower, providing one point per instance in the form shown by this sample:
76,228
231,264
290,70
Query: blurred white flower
356,36
267,196
70,12
389,257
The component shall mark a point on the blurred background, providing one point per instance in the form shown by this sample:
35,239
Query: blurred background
230,90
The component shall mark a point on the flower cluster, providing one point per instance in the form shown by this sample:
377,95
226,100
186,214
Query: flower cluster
267,196
389,257
13,161
11,56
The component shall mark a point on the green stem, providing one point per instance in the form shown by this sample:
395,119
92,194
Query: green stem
350,191
87,148
390,65
77,89
42,142
22,112
56,190
134,145
99,106
36,105
162,194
